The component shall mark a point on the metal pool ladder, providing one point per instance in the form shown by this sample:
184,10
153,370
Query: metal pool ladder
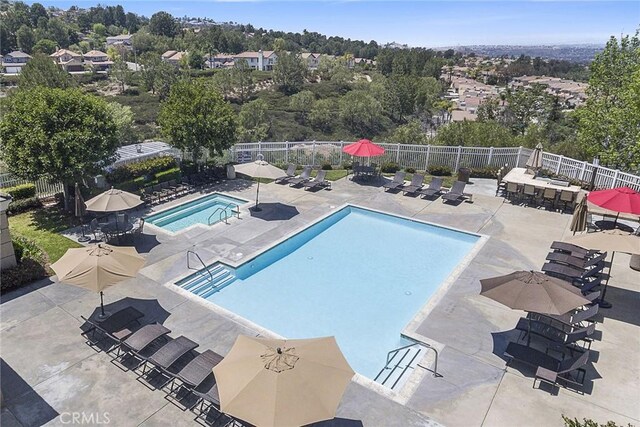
390,370
224,216
201,262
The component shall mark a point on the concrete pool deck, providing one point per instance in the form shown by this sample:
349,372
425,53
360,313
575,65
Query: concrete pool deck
48,371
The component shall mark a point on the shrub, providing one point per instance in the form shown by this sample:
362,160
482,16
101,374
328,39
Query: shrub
410,170
168,175
29,270
24,205
131,92
347,165
327,166
439,170
145,167
484,172
22,191
188,167
27,248
131,185
390,167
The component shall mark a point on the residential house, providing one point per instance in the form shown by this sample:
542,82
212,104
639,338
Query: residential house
173,57
97,60
121,40
221,60
311,59
13,62
68,60
260,60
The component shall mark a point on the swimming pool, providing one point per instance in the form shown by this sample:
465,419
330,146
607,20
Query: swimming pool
195,212
359,275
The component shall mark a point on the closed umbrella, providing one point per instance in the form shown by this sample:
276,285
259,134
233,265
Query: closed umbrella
272,382
259,169
96,267
533,291
623,199
113,200
535,159
80,210
579,219
613,241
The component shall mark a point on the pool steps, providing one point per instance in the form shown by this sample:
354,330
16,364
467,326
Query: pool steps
204,285
400,367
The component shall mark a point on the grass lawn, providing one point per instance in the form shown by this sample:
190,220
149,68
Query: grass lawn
42,226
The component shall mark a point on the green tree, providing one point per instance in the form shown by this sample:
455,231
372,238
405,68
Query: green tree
361,113
475,134
279,45
100,29
195,117
42,71
37,11
196,60
45,46
62,135
323,115
59,32
302,102
121,73
122,117
242,80
163,24
223,80
410,133
253,122
526,105
289,73
26,39
608,121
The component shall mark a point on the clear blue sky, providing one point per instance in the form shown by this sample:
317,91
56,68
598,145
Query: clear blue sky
417,23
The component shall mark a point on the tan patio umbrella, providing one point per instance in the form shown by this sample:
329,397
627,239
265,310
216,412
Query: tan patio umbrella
259,169
113,200
96,267
535,160
579,219
613,241
270,382
533,291
80,211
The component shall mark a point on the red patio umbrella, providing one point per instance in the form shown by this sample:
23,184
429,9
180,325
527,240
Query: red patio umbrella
364,148
623,199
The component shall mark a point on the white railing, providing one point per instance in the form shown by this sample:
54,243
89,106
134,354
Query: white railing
420,157
43,187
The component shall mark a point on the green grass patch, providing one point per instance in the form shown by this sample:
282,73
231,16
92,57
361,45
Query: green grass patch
43,227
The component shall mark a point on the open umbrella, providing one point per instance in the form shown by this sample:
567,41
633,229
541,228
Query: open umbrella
271,382
623,199
579,219
533,291
535,159
364,148
259,169
96,267
113,200
611,241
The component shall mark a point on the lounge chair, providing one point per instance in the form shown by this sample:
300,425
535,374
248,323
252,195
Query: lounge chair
570,321
164,357
115,327
578,262
290,173
559,337
396,183
302,178
455,193
417,181
434,188
318,181
208,398
197,370
575,250
140,339
569,273
548,368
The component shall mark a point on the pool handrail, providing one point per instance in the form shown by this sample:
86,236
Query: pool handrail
224,210
425,345
201,262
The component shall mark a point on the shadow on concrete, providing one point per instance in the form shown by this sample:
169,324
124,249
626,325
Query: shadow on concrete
143,243
151,308
337,422
275,212
625,305
23,290
17,392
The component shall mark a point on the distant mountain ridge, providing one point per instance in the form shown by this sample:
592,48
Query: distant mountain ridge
570,52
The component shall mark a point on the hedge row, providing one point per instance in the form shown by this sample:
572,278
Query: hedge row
32,265
23,205
19,192
131,171
136,184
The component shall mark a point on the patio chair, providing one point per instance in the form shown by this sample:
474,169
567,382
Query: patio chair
115,327
434,188
550,369
567,198
455,193
569,273
513,191
164,357
196,371
137,229
302,178
559,338
566,258
529,193
416,184
146,195
396,183
94,228
318,181
208,397
140,339
575,250
549,196
570,321
290,173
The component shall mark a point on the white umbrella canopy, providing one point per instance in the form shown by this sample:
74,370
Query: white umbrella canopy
259,169
113,200
271,382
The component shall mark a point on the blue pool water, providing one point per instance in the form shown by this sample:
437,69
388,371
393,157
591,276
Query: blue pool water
357,274
195,212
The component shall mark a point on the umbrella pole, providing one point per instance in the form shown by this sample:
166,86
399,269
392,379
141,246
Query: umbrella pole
256,208
603,303
101,304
